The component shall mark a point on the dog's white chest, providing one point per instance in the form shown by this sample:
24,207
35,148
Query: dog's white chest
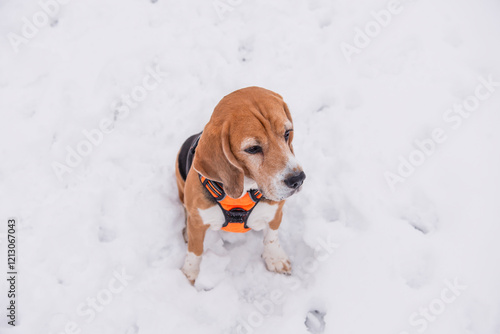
260,216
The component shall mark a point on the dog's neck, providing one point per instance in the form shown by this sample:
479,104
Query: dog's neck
249,184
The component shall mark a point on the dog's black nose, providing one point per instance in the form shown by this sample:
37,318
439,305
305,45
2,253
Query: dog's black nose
296,180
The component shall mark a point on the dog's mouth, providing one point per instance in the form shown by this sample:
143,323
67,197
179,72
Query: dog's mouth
282,196
294,191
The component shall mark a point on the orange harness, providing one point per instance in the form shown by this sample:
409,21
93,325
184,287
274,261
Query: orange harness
236,211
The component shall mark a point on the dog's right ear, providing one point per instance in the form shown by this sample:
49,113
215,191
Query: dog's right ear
215,160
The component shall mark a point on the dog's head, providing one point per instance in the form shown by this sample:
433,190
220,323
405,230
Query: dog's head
248,143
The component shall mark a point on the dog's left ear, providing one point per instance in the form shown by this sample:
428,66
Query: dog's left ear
289,116
215,160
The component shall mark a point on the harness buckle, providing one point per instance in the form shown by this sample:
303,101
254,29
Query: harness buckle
237,215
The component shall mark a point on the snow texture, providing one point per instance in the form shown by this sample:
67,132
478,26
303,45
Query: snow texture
100,248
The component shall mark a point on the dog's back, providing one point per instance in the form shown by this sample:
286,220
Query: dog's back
184,162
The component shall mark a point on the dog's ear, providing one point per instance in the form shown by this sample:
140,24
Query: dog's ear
289,116
214,159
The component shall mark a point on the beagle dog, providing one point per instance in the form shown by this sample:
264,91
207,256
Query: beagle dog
237,173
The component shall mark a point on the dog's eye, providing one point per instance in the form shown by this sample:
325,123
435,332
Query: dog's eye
287,134
254,149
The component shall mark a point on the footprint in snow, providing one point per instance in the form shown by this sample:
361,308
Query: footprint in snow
315,321
106,234
422,214
134,329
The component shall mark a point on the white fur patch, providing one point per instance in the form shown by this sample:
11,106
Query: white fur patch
261,215
212,216
274,256
248,184
191,267
281,190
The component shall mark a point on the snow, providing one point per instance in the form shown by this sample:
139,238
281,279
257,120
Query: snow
366,257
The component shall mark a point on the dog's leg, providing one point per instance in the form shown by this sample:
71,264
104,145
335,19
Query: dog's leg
180,188
180,182
184,230
274,256
196,236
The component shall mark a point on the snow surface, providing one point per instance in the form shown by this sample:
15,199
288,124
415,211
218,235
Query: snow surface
387,255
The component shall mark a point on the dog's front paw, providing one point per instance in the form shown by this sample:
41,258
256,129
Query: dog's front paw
276,260
191,267
190,274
